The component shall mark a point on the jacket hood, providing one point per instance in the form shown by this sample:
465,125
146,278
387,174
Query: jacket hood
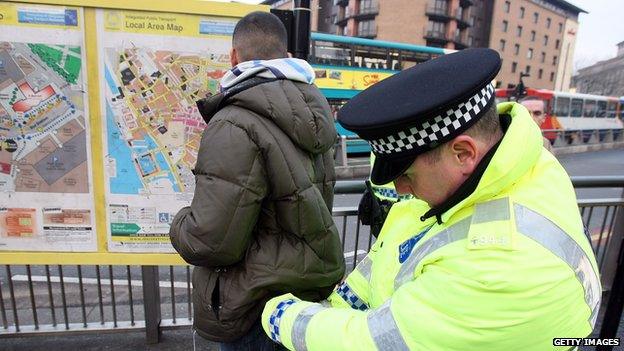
298,109
516,154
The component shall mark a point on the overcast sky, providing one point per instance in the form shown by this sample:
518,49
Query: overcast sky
599,30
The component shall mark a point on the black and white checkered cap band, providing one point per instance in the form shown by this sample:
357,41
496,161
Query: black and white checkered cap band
436,129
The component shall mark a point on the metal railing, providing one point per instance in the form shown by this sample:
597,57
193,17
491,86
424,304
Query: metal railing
563,138
40,300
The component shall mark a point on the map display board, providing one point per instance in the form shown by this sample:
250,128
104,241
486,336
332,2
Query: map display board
46,194
154,67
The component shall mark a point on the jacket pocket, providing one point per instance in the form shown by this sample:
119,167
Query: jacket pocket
205,283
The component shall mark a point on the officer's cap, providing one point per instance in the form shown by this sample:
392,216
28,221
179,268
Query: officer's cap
421,108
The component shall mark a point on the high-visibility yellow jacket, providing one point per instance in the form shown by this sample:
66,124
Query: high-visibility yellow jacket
509,268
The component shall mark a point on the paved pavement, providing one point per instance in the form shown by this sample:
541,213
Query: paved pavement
608,162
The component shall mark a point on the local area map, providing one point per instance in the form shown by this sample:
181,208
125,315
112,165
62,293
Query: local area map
152,122
43,141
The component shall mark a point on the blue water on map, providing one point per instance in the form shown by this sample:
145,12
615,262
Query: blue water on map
139,147
111,82
165,167
147,164
127,180
151,144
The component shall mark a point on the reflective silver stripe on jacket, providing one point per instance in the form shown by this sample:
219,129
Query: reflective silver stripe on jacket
495,210
298,334
449,235
364,267
384,330
553,238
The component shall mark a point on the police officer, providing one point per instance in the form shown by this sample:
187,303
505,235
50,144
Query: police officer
494,258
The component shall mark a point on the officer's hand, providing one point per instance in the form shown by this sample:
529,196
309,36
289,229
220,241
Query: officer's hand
271,306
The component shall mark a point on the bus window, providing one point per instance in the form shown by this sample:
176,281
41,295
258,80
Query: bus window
589,109
329,53
602,109
562,107
612,109
576,108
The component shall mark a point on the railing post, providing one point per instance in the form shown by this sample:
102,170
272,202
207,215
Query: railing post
577,137
608,136
560,140
341,152
613,312
151,302
610,263
594,138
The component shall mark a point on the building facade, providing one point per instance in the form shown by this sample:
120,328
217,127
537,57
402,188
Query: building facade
603,78
534,37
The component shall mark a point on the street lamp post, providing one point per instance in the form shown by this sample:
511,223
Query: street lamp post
301,33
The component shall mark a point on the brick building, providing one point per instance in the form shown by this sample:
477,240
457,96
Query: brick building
602,78
533,36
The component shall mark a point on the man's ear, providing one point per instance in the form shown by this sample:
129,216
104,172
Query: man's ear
234,57
465,153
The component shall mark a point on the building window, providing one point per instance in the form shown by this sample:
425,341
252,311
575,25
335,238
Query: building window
540,73
505,26
532,35
552,76
543,57
548,22
522,12
557,44
516,49
519,31
554,60
528,69
439,5
514,67
470,40
506,6
530,54
437,28
473,21
502,45
535,17
560,27
367,29
545,40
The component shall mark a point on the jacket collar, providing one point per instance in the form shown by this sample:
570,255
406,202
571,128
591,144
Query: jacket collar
210,105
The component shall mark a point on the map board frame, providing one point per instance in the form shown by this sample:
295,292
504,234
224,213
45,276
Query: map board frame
102,255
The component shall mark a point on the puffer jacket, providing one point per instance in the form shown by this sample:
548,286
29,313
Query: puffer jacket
260,222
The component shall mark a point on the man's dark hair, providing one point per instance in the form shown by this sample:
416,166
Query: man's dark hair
260,36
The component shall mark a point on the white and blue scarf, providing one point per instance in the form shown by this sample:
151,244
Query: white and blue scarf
284,68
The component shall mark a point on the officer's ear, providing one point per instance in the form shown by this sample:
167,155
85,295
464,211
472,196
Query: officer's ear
465,153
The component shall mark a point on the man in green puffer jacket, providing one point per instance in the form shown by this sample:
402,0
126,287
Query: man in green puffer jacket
260,222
